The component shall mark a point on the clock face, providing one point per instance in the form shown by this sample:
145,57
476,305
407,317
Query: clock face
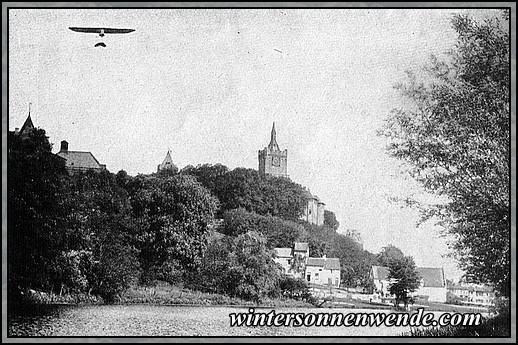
276,162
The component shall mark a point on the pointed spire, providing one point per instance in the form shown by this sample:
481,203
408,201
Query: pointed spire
27,125
273,146
167,163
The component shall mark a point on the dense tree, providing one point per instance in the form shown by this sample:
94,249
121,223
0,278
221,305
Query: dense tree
252,272
173,214
240,266
36,209
248,189
389,255
295,288
454,131
330,220
99,234
278,232
405,279
209,175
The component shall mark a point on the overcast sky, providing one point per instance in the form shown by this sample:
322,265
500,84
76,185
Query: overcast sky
207,84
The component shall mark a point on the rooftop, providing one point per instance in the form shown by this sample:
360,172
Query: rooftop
326,263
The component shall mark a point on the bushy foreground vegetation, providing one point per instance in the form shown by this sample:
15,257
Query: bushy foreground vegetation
498,326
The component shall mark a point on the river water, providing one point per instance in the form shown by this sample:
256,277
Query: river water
156,320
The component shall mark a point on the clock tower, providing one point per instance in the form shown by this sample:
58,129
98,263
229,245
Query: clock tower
272,160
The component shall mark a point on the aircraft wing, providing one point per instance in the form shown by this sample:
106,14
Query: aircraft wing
98,30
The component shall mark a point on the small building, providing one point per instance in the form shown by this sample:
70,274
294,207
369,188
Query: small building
79,160
167,164
472,294
301,250
432,285
284,258
323,271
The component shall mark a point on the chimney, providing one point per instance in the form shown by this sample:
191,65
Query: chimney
64,146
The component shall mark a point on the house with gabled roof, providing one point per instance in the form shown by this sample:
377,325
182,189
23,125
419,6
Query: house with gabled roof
432,287
301,249
79,160
323,271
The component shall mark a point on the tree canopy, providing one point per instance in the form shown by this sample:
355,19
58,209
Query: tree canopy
405,278
454,133
173,214
250,190
36,212
278,232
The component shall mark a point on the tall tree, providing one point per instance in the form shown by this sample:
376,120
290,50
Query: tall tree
99,234
36,209
389,255
330,220
173,213
454,132
405,279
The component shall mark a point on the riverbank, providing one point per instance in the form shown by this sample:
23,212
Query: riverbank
159,294
173,295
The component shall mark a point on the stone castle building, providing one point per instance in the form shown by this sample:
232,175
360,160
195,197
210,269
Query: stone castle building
274,162
314,211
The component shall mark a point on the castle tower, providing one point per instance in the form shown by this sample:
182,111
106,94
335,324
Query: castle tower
272,160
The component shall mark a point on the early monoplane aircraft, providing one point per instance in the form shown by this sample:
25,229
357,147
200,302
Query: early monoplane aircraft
102,32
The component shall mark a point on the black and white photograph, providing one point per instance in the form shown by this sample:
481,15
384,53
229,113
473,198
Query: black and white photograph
258,171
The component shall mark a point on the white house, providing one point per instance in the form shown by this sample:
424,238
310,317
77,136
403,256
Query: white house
473,294
323,271
432,287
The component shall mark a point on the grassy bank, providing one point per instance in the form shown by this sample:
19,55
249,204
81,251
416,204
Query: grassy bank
36,297
167,294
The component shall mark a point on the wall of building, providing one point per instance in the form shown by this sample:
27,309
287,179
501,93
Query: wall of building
266,162
320,276
285,263
314,212
435,294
